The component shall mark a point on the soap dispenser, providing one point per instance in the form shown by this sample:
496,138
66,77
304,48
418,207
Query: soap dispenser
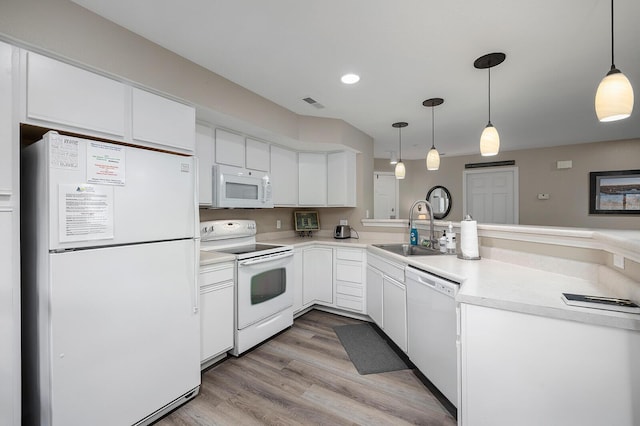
451,240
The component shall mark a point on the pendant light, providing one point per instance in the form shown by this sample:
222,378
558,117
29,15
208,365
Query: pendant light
433,157
614,97
400,169
489,140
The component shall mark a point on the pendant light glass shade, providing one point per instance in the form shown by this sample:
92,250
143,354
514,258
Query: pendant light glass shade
400,170
614,97
433,159
489,141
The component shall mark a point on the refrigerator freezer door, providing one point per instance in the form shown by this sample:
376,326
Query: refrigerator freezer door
106,194
124,334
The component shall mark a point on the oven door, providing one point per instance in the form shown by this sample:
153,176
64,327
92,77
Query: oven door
265,287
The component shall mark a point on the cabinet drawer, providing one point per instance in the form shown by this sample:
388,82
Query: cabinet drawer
350,303
351,290
349,271
216,274
349,254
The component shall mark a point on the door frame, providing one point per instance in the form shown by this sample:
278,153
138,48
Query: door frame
397,206
516,188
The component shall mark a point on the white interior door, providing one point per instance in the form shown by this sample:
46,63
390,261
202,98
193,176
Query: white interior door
385,198
491,195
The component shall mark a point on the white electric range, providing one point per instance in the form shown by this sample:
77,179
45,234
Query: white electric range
264,280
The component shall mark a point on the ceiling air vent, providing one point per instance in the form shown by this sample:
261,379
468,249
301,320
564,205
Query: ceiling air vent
313,102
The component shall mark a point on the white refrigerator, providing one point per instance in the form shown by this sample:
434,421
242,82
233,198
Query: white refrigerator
110,299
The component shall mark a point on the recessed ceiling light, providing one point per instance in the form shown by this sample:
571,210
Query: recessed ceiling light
350,78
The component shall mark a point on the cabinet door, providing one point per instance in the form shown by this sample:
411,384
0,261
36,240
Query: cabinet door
229,148
312,179
394,311
64,94
162,121
204,152
374,295
298,279
317,263
9,326
257,155
6,122
284,176
341,189
216,319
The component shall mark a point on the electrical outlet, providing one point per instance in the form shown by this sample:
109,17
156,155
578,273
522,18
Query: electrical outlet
542,196
278,224
344,222
618,261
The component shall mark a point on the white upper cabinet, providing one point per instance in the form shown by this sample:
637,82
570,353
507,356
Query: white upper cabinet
204,153
229,148
284,176
162,121
312,179
6,122
67,95
341,167
257,153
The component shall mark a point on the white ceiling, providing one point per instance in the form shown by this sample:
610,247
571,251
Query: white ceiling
407,51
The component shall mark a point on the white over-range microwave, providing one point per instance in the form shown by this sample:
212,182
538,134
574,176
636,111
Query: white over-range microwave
234,187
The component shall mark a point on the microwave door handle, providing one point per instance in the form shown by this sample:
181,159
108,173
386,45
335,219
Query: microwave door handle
264,259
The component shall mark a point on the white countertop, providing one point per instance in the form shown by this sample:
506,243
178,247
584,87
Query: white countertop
497,284
213,257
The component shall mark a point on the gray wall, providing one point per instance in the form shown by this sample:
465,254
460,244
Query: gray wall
568,189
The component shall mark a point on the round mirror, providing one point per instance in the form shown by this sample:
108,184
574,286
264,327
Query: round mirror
440,200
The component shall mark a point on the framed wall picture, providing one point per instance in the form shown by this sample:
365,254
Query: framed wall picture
305,221
614,192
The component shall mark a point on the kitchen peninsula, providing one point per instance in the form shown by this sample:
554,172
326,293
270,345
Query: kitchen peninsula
516,333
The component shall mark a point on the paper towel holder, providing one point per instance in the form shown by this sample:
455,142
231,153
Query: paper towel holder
460,255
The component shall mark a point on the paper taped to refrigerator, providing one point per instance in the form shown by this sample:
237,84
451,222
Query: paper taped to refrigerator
86,212
63,153
105,164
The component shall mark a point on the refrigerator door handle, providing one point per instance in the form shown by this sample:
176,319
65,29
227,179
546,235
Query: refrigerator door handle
196,276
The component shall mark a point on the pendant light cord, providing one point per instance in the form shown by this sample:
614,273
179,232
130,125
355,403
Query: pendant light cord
612,61
433,146
490,92
400,139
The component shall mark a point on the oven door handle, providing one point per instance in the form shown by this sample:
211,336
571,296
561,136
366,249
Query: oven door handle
265,259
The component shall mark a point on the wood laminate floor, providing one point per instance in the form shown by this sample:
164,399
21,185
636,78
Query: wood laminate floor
303,377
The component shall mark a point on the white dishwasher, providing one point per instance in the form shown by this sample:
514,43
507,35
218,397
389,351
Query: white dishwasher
431,312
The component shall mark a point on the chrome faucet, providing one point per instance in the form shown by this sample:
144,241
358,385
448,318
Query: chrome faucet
432,240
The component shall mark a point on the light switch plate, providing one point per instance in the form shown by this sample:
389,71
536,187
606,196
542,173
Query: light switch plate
618,261
564,164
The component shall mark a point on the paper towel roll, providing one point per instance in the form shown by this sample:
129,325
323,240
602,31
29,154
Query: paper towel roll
469,238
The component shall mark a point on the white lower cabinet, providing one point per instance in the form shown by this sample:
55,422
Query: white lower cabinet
298,278
317,275
216,310
374,295
387,298
350,271
394,311
524,369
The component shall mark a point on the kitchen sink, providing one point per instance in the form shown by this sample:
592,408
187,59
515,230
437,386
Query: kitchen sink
408,250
